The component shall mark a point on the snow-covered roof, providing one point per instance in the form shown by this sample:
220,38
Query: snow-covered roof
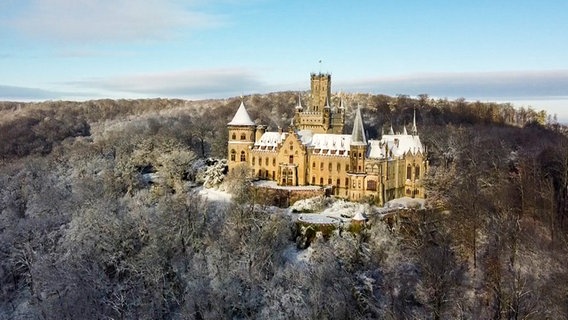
331,144
305,136
394,145
359,216
270,140
242,117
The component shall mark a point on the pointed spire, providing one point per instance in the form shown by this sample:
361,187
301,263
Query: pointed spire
391,131
414,130
358,134
341,106
241,117
404,132
299,106
327,106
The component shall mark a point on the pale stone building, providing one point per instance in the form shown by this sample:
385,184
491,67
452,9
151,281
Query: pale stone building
315,151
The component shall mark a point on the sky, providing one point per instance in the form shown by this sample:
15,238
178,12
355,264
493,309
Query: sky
504,51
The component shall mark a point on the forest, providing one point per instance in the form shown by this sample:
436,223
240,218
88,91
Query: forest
84,234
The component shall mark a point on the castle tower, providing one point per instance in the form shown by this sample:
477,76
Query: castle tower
241,138
321,90
358,152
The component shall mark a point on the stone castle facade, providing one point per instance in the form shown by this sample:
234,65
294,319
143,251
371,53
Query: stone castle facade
315,151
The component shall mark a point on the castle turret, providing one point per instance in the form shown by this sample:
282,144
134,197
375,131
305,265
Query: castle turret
358,144
414,130
241,137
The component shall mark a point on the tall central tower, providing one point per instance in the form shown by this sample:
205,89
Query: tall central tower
321,91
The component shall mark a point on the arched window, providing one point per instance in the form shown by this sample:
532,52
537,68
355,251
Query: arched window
274,161
266,161
321,181
314,180
372,185
234,136
346,182
253,161
243,156
314,164
329,181
409,172
321,165
233,155
243,136
417,172
329,168
339,167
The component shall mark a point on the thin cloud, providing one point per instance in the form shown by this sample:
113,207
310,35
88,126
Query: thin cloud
188,83
85,21
27,94
488,85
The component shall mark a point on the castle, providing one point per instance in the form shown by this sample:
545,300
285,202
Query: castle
315,151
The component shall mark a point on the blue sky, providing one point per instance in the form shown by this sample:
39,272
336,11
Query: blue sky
481,50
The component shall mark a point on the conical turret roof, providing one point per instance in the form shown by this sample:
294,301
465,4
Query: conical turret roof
358,134
242,117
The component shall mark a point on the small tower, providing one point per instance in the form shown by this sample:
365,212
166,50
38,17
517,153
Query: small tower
358,144
241,138
357,154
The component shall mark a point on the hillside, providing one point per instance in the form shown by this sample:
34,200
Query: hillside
84,233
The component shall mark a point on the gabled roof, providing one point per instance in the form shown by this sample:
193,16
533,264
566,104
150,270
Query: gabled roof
242,117
331,144
358,134
394,146
270,140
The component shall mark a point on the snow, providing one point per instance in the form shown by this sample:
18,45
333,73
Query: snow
398,144
270,139
316,218
274,185
331,144
242,117
406,202
214,195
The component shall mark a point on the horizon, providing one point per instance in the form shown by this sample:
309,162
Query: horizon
506,52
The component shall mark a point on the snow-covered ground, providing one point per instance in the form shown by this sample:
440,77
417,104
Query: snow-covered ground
274,185
331,210
214,195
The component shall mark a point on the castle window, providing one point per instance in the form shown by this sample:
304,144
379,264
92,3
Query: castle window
314,164
329,167
291,147
274,161
338,182
359,169
417,172
266,161
243,156
253,160
313,180
408,192
321,165
409,172
243,136
291,159
234,136
233,155
321,181
372,185
347,167
260,161
359,154
346,182
329,181
273,174
338,167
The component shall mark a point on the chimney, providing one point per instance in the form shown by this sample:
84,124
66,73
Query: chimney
259,132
